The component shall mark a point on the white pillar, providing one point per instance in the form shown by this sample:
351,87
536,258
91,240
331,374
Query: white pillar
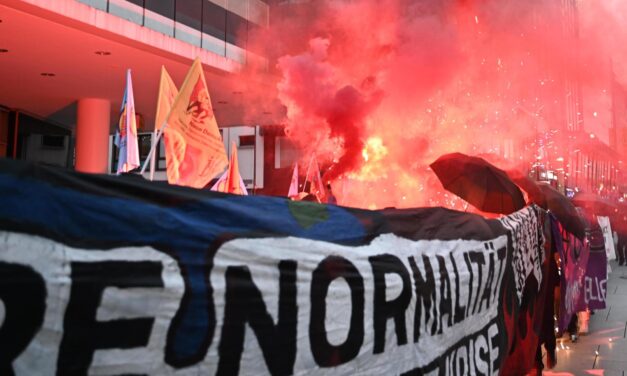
92,135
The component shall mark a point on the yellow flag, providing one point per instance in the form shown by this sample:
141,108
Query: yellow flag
194,150
167,95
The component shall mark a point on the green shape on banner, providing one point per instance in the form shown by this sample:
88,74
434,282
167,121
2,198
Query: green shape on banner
308,213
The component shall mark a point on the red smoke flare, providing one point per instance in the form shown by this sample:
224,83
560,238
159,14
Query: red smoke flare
378,89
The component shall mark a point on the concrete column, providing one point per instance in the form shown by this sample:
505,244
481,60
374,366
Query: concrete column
92,135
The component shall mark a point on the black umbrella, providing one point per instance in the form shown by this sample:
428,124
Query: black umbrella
534,193
595,204
480,183
564,210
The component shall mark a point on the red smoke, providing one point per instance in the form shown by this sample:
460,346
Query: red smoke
378,89
320,109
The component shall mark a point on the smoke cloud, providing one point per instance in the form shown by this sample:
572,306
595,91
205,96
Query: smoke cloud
379,89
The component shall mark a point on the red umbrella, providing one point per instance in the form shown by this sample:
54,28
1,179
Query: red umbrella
563,210
481,184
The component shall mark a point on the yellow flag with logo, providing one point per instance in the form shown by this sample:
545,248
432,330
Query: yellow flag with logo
194,150
167,94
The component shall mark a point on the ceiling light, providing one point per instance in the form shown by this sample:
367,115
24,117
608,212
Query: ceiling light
103,53
48,74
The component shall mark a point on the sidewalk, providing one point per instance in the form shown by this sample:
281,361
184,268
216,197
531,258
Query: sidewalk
603,351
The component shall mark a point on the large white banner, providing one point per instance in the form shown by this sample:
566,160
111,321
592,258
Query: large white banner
282,306
608,237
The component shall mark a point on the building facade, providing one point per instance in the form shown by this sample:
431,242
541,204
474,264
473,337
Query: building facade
63,67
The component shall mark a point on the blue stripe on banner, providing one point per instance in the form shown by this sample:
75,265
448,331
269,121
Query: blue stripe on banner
77,215
186,232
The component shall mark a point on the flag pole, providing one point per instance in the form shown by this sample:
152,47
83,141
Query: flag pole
307,174
255,162
153,138
153,147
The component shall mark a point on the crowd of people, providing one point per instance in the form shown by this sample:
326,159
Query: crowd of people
598,243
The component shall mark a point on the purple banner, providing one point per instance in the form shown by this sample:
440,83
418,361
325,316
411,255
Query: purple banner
574,256
595,282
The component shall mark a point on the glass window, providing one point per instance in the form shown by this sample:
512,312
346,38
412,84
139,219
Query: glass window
258,12
256,31
100,4
236,30
189,12
214,20
159,16
131,10
189,21
161,7
214,28
137,2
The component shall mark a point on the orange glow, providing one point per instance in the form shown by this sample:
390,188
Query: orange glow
373,168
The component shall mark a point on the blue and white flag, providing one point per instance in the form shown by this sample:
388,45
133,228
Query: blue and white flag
126,135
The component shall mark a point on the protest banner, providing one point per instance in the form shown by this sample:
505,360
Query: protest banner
606,228
595,281
573,254
531,264
189,282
